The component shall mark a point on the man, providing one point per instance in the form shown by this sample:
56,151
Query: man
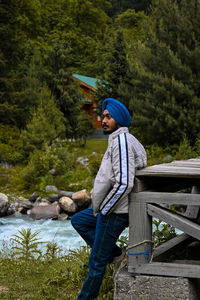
101,225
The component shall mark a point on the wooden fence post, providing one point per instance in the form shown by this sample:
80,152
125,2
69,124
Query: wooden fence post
140,230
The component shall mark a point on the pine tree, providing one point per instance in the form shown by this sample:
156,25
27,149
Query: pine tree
165,97
58,76
115,70
19,22
46,125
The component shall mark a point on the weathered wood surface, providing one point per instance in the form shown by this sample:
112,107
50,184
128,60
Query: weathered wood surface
175,220
192,212
143,231
187,169
168,248
167,198
167,269
161,184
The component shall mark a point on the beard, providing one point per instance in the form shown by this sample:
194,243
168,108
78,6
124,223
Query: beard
106,132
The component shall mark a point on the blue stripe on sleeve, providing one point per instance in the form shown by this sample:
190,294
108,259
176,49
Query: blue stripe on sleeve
123,184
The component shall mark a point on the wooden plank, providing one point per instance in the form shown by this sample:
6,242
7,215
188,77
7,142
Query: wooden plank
140,229
168,198
192,211
163,184
167,269
168,248
175,220
139,186
169,171
185,165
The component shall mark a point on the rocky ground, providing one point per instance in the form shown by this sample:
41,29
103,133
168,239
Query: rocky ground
58,205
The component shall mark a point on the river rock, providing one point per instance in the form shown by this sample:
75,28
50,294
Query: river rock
52,171
68,205
3,197
45,212
53,197
66,194
23,205
63,217
41,201
167,159
51,188
4,205
82,198
33,197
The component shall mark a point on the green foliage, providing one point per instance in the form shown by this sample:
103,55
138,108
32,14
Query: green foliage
26,244
185,150
115,66
83,128
165,98
52,251
118,7
163,232
123,241
55,156
94,163
10,144
46,125
156,153
197,146
51,277
75,180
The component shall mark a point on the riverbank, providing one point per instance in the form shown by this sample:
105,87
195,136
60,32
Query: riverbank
49,278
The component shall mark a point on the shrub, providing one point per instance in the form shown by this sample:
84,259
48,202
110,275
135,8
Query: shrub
75,180
26,244
10,144
94,163
55,156
46,125
185,150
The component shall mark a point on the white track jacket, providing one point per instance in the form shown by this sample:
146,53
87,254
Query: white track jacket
115,178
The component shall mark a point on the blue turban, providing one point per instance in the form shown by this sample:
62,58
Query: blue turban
118,111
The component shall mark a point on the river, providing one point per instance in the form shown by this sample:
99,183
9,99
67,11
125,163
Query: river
60,232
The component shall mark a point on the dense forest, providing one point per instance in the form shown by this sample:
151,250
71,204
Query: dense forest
144,53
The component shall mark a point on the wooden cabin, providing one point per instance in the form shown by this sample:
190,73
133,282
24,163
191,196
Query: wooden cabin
88,87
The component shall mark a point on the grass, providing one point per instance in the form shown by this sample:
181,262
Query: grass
98,146
57,278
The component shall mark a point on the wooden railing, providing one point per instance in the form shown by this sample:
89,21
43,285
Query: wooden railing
156,189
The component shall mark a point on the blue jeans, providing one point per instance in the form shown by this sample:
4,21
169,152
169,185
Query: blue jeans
101,233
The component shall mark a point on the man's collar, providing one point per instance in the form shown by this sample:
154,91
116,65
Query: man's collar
117,132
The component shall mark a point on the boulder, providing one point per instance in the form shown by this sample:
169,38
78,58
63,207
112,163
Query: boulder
33,197
53,197
3,197
4,205
68,205
41,201
45,212
66,194
82,198
23,205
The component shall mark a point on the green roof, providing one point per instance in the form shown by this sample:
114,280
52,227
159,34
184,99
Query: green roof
87,80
